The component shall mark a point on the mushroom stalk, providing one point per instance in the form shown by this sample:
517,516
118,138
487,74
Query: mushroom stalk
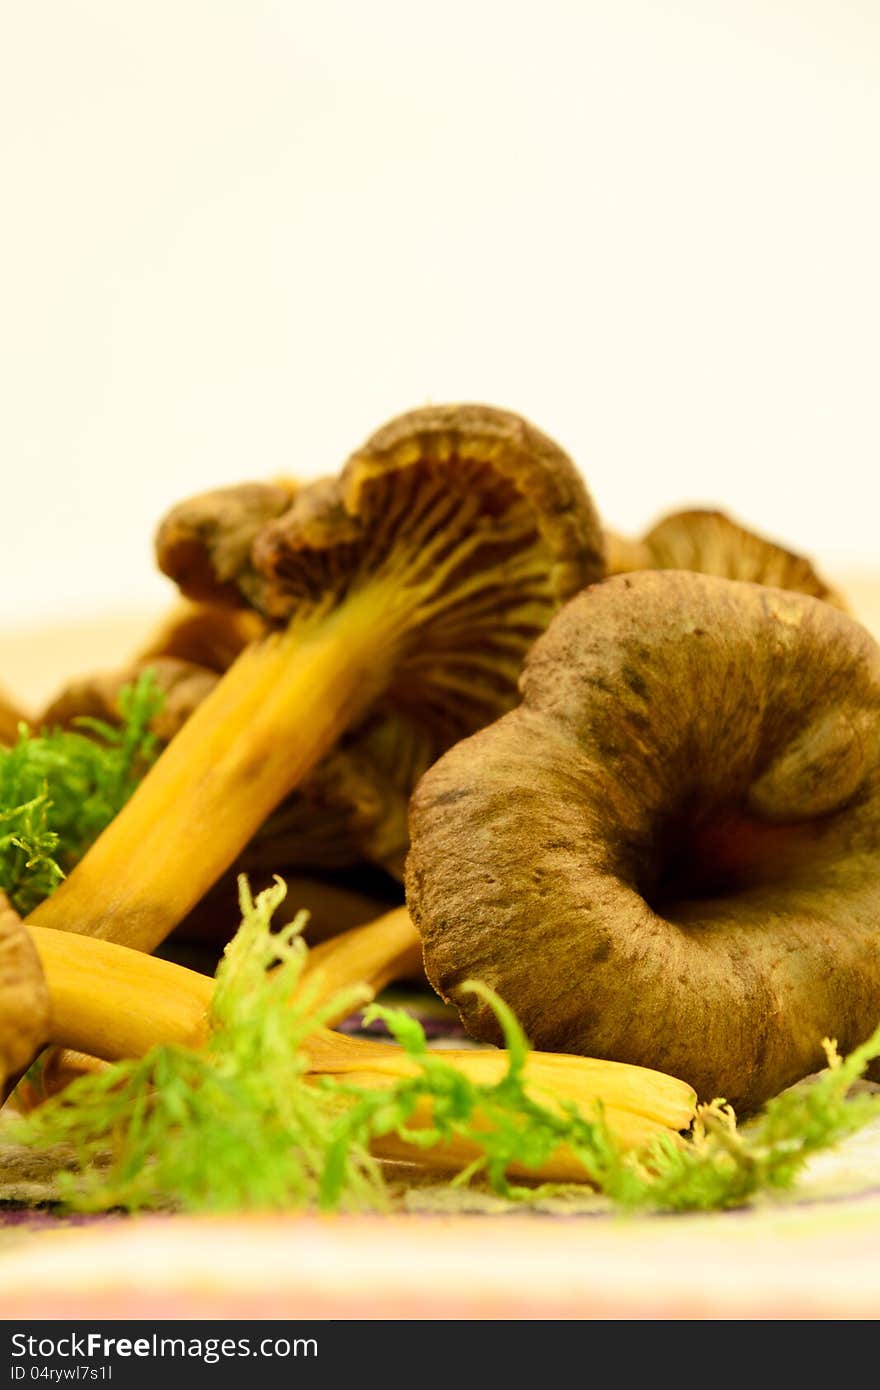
374,954
278,710
112,1002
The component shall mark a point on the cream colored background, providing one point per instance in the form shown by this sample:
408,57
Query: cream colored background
236,235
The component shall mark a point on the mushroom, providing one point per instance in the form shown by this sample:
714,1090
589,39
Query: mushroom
709,542
24,997
409,587
669,853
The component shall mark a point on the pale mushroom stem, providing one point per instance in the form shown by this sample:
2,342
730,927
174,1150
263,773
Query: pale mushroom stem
278,710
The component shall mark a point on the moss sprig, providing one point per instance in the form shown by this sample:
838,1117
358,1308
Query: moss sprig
61,787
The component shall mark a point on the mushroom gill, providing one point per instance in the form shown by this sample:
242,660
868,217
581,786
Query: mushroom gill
669,853
709,542
410,587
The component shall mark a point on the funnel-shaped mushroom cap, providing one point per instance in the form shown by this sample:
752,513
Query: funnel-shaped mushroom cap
709,542
470,527
669,853
24,997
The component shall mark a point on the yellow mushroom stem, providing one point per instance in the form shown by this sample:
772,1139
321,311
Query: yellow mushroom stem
111,1002
279,709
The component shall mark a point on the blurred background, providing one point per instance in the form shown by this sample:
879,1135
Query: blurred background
237,235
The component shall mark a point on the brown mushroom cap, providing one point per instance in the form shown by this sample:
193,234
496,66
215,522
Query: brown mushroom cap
475,523
24,997
669,853
709,542
206,540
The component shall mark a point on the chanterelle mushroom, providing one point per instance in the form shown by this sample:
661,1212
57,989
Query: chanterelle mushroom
709,542
24,996
411,585
669,853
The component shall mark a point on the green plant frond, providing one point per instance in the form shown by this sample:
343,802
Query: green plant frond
515,1040
60,788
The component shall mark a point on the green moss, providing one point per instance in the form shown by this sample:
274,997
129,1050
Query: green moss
60,788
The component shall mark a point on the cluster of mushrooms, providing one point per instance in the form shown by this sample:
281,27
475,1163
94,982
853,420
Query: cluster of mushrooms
631,785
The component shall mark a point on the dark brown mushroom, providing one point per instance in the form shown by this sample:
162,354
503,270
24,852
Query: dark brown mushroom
709,542
669,853
407,589
24,997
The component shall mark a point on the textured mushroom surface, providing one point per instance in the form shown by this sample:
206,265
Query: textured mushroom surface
24,996
669,853
709,542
